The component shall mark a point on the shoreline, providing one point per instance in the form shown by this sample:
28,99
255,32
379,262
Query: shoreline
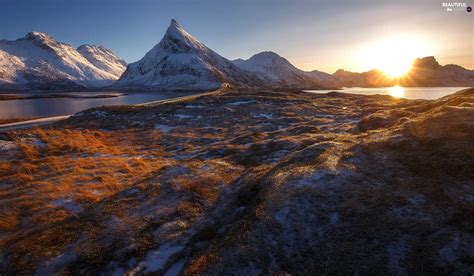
52,119
54,96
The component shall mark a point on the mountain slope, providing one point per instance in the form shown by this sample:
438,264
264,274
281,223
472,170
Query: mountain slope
279,72
38,61
425,72
103,59
181,62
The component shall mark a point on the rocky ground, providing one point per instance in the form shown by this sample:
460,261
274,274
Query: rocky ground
244,183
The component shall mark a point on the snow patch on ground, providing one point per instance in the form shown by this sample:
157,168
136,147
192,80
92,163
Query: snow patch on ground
281,215
263,115
448,254
164,128
334,218
69,205
242,102
183,116
175,269
194,106
314,179
7,145
397,251
39,143
156,259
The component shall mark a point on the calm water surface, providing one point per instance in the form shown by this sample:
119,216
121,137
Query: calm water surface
64,106
428,93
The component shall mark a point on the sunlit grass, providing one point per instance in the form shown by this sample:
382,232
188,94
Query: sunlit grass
84,166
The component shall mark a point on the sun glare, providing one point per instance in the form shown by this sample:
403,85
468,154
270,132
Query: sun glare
396,91
394,55
394,67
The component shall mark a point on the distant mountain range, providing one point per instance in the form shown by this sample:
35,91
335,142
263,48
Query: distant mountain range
39,62
425,72
180,62
277,72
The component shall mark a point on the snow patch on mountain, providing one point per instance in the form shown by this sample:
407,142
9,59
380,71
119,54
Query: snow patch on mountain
180,62
38,61
103,59
9,66
279,72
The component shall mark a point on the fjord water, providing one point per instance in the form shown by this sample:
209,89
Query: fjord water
413,93
64,106
48,107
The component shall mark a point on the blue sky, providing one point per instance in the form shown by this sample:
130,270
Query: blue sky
324,35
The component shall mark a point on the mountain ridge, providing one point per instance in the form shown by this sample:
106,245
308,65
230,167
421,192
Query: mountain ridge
424,72
39,62
180,62
277,71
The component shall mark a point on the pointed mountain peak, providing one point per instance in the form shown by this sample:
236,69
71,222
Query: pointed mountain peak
175,30
44,41
174,23
178,40
38,36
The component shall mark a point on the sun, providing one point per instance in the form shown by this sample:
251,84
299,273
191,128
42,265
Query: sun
395,66
394,55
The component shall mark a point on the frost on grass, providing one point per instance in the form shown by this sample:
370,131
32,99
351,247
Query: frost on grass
242,102
183,116
164,128
156,259
244,183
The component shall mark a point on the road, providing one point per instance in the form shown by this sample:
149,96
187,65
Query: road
32,123
224,87
49,120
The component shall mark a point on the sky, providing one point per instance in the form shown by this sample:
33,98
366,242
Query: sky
323,35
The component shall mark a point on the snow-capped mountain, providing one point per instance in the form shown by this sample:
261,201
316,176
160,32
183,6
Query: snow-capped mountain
38,61
103,59
180,62
279,72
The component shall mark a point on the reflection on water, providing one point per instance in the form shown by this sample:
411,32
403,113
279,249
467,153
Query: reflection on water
65,106
396,91
427,93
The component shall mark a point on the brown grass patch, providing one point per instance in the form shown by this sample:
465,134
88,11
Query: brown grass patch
84,166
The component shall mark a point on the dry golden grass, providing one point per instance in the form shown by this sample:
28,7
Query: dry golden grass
230,187
9,221
197,266
5,167
206,184
85,166
79,141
